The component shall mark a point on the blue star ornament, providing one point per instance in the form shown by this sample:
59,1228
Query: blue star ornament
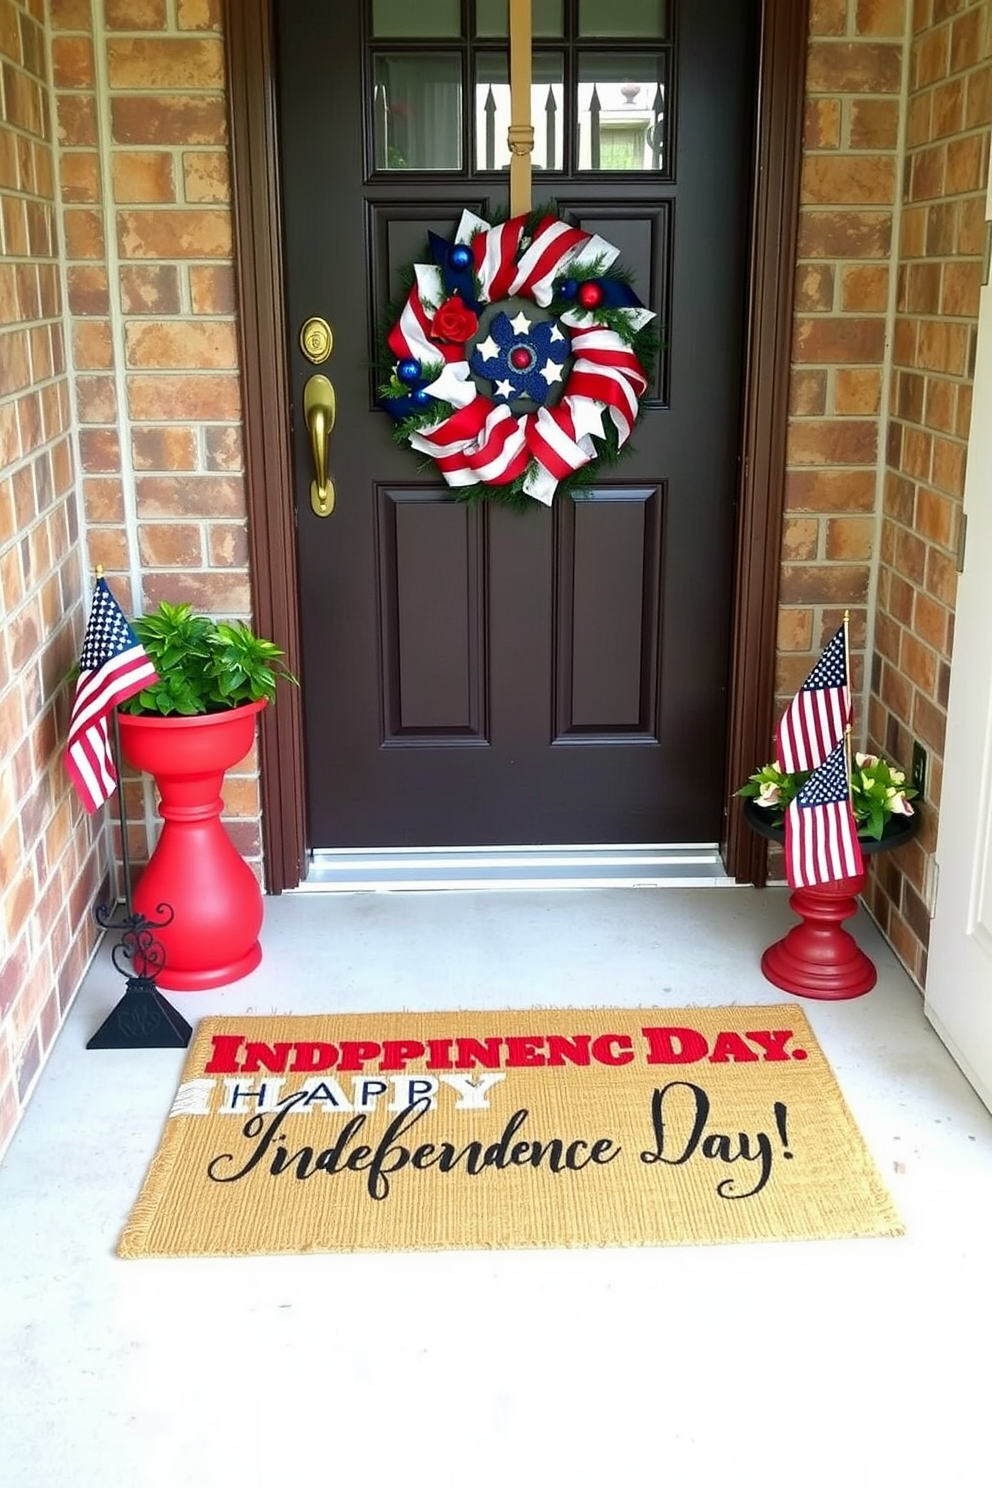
522,358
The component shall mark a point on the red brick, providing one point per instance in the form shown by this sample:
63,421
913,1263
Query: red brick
824,583
825,234
814,286
224,449
926,173
795,630
821,124
874,124
99,451
83,233
830,490
212,290
168,119
170,545
80,176
107,547
857,390
827,17
93,347
210,398
880,17
967,164
88,292
848,180
148,289
228,545
850,538
839,339
800,537
853,442
103,499
206,176
167,63
70,15
947,116
96,400
853,67
174,234
136,15
807,392
962,283
163,447
217,592
143,176
76,120
207,345
190,496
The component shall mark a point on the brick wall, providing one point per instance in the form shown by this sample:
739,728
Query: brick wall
52,855
842,307
142,122
940,249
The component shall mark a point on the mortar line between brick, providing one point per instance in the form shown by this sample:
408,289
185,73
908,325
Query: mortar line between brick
101,83
885,405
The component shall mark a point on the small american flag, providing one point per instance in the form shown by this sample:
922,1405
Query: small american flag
821,835
819,713
113,666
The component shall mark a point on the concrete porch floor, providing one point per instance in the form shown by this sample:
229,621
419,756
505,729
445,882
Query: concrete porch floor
857,1362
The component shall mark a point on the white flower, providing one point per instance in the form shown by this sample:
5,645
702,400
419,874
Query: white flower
769,794
899,806
866,760
898,777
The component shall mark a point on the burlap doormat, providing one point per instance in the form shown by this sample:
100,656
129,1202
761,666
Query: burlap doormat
409,1131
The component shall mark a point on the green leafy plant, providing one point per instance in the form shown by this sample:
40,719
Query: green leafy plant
204,665
878,792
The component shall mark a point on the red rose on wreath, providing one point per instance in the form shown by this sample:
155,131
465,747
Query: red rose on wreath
454,321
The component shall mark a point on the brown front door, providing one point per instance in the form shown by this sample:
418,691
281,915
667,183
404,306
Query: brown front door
475,675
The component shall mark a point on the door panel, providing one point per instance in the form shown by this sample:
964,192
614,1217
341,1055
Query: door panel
478,676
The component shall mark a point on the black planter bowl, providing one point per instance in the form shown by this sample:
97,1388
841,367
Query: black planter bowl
896,832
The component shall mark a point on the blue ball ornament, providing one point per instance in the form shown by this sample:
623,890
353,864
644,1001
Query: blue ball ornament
421,397
568,289
408,370
461,257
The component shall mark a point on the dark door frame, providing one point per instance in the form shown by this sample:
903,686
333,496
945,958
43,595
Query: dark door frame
248,26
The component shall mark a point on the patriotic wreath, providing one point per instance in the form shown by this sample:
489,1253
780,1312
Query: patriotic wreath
521,356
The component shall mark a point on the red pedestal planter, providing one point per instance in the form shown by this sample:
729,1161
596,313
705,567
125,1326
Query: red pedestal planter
818,958
195,867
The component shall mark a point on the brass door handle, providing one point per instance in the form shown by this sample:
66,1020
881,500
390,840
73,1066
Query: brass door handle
319,410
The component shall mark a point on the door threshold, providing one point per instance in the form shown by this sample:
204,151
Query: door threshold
649,866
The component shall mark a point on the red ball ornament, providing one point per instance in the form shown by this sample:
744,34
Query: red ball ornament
589,295
521,358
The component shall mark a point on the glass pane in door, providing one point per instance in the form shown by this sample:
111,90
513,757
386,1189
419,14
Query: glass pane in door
611,19
492,18
492,111
621,112
394,18
417,111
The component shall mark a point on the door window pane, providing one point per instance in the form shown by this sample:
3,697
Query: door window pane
492,111
621,18
491,18
421,18
622,113
417,111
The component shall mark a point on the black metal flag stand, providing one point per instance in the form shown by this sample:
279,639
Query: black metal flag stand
143,1019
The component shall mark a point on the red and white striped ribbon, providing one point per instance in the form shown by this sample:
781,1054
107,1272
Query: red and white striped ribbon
484,442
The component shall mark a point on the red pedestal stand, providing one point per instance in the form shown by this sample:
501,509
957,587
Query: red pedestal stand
195,868
818,958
